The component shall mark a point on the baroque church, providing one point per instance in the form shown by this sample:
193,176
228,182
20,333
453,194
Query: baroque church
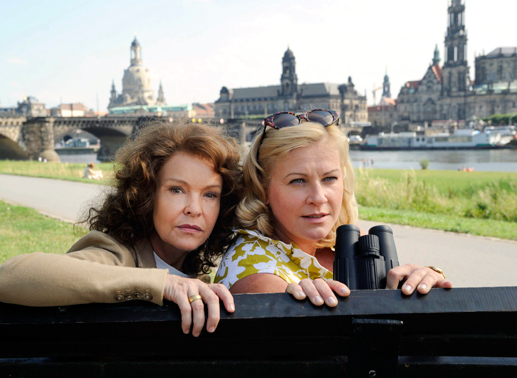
447,93
137,92
291,96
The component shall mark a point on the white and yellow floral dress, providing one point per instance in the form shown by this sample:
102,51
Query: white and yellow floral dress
254,253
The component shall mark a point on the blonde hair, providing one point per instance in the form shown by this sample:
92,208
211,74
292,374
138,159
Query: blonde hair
252,211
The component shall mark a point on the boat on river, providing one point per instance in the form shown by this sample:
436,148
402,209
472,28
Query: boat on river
459,140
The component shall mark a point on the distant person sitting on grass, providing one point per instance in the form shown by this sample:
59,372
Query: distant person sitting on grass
89,173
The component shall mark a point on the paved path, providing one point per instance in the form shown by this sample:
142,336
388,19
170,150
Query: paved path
467,260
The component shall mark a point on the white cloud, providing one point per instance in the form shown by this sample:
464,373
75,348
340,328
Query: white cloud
17,61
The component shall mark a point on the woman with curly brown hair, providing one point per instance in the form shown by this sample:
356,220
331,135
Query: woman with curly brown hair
166,221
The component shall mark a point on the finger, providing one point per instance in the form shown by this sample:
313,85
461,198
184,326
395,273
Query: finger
186,312
296,291
326,292
214,311
339,288
176,289
426,284
444,284
222,292
396,275
198,315
415,278
311,291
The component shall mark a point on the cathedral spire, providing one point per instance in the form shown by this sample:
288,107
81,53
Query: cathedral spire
113,98
289,79
436,57
161,97
386,92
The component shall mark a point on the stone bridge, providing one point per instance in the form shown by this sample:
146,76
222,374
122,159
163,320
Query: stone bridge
22,138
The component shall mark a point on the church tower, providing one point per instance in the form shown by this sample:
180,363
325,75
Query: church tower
289,79
136,53
386,86
455,68
113,97
436,57
160,100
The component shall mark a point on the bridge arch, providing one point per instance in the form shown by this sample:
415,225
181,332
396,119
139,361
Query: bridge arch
11,150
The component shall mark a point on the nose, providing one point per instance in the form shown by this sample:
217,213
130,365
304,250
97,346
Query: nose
193,206
317,195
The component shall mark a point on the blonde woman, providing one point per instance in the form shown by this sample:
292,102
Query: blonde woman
299,187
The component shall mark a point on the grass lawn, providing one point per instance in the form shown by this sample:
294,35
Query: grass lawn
62,171
24,230
446,182
469,195
481,227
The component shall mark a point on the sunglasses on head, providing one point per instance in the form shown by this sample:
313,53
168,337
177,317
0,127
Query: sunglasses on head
281,120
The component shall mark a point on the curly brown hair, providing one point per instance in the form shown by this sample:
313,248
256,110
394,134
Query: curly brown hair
127,212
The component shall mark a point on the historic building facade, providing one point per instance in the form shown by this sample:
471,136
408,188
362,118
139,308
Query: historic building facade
291,96
447,93
137,92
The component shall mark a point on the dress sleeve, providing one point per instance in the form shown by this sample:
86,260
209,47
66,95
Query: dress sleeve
251,256
97,269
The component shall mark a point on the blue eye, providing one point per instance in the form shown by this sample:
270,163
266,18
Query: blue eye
297,181
330,178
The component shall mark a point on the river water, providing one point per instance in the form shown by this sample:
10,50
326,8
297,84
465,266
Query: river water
481,160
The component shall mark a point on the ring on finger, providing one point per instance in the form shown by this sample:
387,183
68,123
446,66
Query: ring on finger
193,298
437,270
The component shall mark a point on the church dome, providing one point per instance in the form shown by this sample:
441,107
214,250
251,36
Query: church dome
136,78
288,54
136,82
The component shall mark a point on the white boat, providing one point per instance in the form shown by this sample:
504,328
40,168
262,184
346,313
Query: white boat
508,133
460,139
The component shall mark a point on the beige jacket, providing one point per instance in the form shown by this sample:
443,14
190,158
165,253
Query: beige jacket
96,269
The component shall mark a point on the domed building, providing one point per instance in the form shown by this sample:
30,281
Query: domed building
137,92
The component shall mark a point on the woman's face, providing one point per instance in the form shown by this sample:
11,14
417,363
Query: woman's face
305,194
186,206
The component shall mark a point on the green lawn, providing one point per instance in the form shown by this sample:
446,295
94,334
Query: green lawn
481,227
24,230
446,181
62,171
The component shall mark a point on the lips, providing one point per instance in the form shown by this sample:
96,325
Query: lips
189,227
314,216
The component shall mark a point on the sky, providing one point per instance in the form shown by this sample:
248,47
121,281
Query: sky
70,51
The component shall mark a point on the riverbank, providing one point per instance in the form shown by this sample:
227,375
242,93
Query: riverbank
477,203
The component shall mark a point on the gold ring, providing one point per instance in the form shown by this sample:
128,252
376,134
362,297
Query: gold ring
437,270
194,298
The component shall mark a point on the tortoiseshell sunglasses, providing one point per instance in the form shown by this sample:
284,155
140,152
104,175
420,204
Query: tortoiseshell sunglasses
280,120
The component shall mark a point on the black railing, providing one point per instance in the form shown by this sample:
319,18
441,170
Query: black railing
447,333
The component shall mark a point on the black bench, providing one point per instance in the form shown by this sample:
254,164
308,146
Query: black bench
447,333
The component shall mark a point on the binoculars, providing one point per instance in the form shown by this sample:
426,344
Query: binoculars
362,262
